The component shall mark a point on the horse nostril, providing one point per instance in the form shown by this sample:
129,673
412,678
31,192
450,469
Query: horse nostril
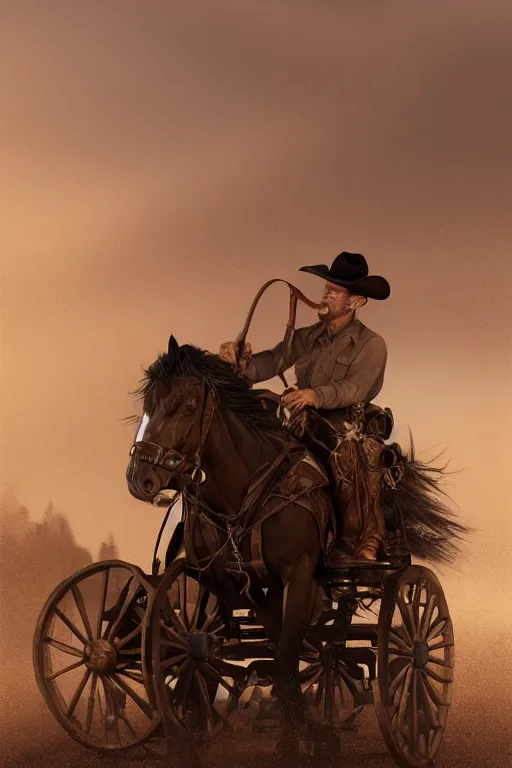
148,485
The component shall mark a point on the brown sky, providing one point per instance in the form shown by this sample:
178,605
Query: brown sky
161,160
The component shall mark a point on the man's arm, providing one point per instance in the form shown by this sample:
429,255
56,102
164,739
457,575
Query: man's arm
265,365
362,376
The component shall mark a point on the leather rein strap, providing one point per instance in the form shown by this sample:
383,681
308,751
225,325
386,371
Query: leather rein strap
295,294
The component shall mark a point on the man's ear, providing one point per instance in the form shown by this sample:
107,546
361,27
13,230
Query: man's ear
357,301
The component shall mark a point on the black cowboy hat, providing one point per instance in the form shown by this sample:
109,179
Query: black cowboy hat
351,271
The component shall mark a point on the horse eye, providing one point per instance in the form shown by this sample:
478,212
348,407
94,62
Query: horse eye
190,405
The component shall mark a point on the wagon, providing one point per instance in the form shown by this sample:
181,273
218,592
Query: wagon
125,659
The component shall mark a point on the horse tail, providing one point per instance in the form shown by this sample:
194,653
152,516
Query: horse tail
417,505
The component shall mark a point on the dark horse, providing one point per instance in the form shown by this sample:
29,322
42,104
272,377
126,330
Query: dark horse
207,433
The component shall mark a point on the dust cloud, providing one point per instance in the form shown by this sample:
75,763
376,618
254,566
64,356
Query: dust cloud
37,556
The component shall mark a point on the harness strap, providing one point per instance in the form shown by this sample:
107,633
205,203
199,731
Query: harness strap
295,294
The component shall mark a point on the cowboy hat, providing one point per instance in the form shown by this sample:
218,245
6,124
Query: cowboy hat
350,270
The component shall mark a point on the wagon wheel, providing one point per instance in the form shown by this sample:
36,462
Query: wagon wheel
327,685
87,656
185,633
415,666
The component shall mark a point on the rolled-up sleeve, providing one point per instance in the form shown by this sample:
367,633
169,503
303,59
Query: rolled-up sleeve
363,380
265,365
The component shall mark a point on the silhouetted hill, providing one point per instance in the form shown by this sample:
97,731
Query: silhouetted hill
34,558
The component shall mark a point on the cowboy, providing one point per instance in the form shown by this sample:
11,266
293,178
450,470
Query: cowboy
339,366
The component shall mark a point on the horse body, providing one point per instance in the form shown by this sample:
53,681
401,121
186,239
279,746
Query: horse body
200,415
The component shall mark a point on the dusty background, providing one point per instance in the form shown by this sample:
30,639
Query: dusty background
159,162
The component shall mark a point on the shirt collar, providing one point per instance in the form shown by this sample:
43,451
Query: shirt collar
352,330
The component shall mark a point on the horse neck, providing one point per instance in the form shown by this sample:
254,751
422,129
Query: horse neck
233,452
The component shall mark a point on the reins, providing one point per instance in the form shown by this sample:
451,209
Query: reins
295,294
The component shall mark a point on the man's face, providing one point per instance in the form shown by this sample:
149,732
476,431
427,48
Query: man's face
336,302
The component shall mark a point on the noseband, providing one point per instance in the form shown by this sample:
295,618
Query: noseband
178,464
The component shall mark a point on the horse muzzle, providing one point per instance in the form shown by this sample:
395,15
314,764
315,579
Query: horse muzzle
153,471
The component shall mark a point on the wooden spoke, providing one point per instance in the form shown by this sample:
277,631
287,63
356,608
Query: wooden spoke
395,684
76,696
397,637
441,644
426,618
435,697
185,675
313,676
60,672
341,691
71,626
402,654
125,640
172,661
176,640
406,620
208,710
112,708
437,678
103,715
436,740
213,673
413,713
80,604
103,601
137,678
415,604
328,706
404,697
143,705
178,625
90,703
428,708
439,662
182,596
64,647
131,652
199,608
437,628
130,595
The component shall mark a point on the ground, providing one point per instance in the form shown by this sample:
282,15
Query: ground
476,738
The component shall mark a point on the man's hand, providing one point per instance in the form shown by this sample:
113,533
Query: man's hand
227,352
300,398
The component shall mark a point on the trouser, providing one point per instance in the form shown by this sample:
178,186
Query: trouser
355,462
357,471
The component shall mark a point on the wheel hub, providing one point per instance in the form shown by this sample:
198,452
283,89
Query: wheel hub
198,644
420,655
100,657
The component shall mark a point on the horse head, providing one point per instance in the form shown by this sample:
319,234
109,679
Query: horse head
177,412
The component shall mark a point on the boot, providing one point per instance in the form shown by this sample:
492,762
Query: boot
358,471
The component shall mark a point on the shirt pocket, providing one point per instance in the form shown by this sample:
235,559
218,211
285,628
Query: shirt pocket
342,363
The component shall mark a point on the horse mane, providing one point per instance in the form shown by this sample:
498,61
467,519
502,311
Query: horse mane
229,388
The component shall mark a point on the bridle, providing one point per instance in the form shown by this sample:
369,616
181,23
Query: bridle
295,294
171,460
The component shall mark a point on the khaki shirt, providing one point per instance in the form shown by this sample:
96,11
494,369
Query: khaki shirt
344,368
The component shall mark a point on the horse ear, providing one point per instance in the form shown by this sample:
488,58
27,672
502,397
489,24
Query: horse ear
173,346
